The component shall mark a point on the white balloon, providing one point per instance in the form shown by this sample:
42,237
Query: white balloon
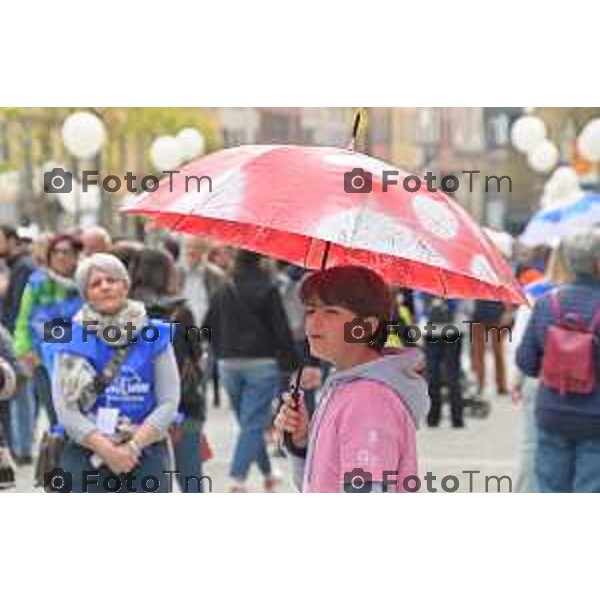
563,180
78,200
544,157
83,134
588,142
192,142
51,164
166,153
527,132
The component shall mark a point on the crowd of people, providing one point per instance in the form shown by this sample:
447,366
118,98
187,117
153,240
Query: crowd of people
278,348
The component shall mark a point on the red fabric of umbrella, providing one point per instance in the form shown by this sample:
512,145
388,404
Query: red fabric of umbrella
299,204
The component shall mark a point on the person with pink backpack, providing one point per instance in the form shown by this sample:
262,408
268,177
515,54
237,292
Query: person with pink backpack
560,346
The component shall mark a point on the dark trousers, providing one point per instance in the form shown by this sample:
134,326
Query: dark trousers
443,368
42,391
4,422
150,475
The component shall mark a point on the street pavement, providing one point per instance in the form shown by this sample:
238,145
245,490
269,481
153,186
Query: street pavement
486,445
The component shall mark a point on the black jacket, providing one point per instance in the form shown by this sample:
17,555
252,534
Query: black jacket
188,350
21,266
247,320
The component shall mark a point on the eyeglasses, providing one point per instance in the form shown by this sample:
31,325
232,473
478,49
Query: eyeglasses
65,251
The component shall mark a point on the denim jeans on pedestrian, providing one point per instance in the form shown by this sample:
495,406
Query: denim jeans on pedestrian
4,423
251,385
567,465
153,464
187,457
22,421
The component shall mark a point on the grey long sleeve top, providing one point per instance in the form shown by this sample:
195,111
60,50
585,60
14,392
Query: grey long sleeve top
166,389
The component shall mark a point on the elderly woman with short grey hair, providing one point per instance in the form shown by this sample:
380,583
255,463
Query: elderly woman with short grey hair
568,416
116,387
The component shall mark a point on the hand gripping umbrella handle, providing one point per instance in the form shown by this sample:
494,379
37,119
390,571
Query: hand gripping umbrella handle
288,442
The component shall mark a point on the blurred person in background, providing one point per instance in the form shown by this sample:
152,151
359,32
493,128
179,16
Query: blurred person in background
171,245
4,281
255,350
50,294
222,256
95,239
201,278
10,373
39,247
441,326
567,455
525,388
490,325
531,263
20,265
152,285
127,251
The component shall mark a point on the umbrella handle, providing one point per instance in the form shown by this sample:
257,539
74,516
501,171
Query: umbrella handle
287,436
356,124
296,388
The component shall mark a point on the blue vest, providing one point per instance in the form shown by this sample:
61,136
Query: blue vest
132,390
42,315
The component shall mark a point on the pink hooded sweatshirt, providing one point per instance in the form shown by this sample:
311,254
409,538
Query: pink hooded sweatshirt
366,419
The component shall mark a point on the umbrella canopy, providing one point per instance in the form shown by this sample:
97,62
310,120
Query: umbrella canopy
302,204
502,240
548,226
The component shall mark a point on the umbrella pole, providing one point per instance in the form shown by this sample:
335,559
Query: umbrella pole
325,256
296,386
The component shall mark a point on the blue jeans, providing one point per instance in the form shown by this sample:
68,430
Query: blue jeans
187,456
566,465
153,464
251,387
22,421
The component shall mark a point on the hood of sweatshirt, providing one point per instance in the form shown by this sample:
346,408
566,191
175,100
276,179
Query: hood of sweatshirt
399,369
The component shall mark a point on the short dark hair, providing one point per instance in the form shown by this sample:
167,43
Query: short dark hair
171,245
73,240
355,288
9,232
153,273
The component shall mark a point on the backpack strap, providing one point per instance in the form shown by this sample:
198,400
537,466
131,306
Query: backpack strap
555,304
102,380
556,311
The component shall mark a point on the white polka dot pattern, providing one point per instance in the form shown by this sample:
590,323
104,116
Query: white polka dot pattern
481,268
436,217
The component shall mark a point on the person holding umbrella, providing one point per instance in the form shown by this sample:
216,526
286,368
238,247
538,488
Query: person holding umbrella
363,435
293,203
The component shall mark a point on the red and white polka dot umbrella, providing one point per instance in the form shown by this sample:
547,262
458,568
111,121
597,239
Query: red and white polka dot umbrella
302,204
